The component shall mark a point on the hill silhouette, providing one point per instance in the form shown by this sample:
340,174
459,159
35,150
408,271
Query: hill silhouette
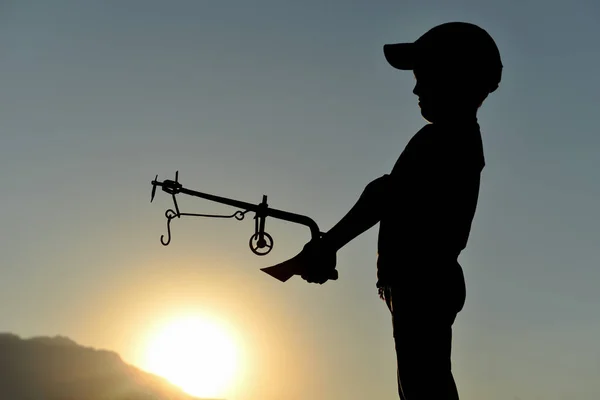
57,368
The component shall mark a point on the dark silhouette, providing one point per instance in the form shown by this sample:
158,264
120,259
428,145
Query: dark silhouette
424,206
261,243
59,369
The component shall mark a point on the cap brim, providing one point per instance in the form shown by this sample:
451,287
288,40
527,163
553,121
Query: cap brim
401,55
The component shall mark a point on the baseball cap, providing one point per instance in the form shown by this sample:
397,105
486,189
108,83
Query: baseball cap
452,44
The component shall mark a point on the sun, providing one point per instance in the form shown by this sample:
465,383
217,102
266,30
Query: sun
195,354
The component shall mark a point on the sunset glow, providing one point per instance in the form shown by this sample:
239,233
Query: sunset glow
195,354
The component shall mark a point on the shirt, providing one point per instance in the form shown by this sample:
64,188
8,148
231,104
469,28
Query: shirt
430,200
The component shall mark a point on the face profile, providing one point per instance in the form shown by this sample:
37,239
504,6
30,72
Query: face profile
456,66
447,94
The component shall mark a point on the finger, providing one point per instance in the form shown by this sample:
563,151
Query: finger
319,276
312,279
320,279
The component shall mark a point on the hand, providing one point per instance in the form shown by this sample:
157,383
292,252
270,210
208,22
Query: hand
318,262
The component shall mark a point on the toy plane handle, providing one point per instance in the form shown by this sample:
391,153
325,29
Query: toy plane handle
287,269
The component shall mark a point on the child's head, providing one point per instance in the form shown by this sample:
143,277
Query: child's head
456,66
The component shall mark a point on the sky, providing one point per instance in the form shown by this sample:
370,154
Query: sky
293,100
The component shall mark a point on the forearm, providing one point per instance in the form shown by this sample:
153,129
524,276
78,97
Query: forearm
361,217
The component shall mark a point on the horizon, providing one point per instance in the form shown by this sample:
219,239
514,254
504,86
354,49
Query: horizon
90,362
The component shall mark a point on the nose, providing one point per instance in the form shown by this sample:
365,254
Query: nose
417,89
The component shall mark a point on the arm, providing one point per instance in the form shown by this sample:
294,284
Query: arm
317,260
361,217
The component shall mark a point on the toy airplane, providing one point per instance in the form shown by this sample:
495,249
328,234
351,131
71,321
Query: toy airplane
261,243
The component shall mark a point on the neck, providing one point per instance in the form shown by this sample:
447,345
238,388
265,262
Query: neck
458,118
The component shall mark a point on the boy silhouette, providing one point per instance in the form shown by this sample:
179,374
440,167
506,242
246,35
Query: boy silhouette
425,205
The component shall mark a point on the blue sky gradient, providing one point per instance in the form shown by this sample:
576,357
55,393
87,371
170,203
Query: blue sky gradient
294,100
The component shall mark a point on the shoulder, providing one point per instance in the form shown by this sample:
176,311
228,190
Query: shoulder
453,146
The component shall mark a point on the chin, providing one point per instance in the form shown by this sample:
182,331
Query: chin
429,116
